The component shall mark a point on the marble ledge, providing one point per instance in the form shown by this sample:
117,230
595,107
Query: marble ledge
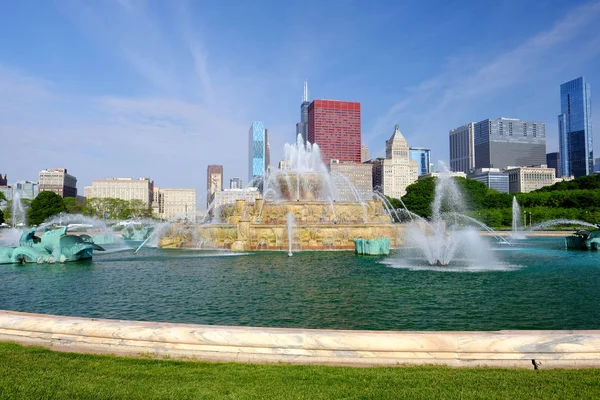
550,349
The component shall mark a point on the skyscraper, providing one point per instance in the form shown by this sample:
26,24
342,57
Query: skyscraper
235,183
302,126
553,161
397,171
335,126
462,148
214,182
422,157
364,153
256,150
359,175
267,151
504,142
575,137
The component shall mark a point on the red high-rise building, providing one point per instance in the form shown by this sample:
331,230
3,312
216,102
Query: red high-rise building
335,126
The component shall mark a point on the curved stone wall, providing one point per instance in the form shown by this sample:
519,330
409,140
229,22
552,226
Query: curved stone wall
524,349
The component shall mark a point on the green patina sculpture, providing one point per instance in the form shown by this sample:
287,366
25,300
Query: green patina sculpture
103,239
372,247
130,233
584,240
53,246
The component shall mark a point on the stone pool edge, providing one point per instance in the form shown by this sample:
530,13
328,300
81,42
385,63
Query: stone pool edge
506,349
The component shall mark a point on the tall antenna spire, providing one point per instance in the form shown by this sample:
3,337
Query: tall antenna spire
305,97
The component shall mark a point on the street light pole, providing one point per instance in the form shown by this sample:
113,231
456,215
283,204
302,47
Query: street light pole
530,224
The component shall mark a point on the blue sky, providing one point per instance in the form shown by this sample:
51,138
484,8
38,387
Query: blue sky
164,88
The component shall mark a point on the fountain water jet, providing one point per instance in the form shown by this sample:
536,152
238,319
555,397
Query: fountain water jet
556,222
516,233
437,242
18,211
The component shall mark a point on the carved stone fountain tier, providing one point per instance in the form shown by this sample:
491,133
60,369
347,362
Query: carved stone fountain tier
262,225
303,187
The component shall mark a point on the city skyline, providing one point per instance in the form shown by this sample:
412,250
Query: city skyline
121,102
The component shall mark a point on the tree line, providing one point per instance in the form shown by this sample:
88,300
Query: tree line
47,204
576,199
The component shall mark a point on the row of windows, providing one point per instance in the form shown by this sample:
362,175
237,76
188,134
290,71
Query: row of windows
531,177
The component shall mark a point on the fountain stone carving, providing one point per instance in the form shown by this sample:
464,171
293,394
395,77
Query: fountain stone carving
323,219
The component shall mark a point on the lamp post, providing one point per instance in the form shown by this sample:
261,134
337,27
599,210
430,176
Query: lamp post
530,219
524,219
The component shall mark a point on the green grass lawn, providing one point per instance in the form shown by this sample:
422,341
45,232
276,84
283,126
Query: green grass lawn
36,373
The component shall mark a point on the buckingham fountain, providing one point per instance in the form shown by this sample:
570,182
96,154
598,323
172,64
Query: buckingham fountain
303,207
446,295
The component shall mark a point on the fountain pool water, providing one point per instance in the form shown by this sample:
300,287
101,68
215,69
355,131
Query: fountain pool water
290,226
536,284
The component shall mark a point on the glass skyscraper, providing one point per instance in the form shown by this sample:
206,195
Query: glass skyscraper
553,161
302,126
256,150
462,148
422,157
575,138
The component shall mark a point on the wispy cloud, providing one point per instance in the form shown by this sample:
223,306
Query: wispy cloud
457,94
189,113
17,88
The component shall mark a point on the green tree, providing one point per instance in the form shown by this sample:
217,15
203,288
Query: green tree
45,205
419,196
72,205
8,211
140,209
394,202
495,199
492,218
109,208
588,182
474,192
1,217
26,203
2,197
